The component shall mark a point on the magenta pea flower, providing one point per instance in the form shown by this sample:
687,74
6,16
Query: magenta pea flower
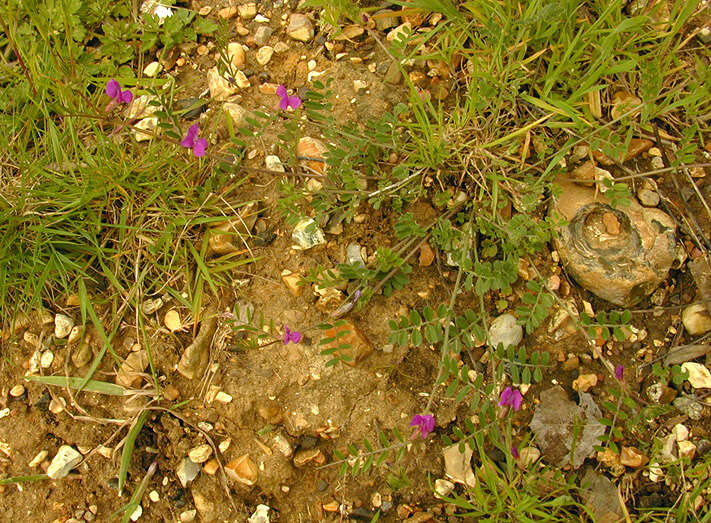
425,422
620,372
511,397
113,89
291,336
287,101
191,141
515,453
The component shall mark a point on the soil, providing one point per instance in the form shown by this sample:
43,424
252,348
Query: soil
282,389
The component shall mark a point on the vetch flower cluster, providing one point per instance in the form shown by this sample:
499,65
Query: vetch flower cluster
113,89
425,422
191,141
290,336
620,372
287,101
511,397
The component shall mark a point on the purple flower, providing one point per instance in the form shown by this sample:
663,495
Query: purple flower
619,372
287,101
191,141
511,397
426,422
514,452
113,89
290,335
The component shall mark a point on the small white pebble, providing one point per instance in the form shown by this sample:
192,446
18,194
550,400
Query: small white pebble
155,497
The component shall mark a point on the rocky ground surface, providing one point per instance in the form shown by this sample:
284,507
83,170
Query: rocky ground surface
256,426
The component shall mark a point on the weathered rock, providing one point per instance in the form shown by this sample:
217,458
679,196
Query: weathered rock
696,319
621,255
260,515
291,280
273,163
172,320
264,54
528,456
699,375
130,373
227,12
223,236
152,69
353,255
146,129
186,471
427,255
505,330
200,454
584,382
63,462
243,470
196,356
247,11
150,306
687,449
557,426
262,35
307,234
236,56
349,334
625,104
690,407
303,457
443,487
600,496
237,113
457,465
311,153
300,28
393,74
63,325
220,87
631,457
648,197
204,506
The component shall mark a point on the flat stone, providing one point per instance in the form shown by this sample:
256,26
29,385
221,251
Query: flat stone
260,515
427,255
227,12
621,261
200,454
237,113
262,35
457,465
236,55
188,516
359,346
307,234
584,382
146,129
632,457
687,449
696,319
561,426
129,374
699,375
186,471
648,197
243,470
63,462
63,325
248,10
681,432
393,74
300,28
220,88
443,487
690,407
204,506
505,330
386,19
273,163
600,496
152,69
264,54
312,155
291,280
